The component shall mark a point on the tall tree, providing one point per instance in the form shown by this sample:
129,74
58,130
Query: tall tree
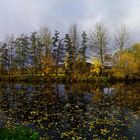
46,38
83,51
121,38
47,58
100,42
21,53
58,50
40,52
4,59
34,53
10,48
70,55
74,35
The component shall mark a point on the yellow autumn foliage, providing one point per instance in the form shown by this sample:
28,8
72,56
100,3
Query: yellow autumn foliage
125,65
47,63
136,52
96,66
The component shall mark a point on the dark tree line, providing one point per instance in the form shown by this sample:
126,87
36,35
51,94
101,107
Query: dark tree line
42,53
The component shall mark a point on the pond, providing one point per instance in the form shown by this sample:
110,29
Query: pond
80,111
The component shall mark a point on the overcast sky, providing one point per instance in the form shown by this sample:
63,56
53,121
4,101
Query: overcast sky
25,16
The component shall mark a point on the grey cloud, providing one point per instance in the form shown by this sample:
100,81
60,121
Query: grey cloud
18,16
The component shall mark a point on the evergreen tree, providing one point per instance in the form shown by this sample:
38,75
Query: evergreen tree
4,60
70,55
74,35
34,53
58,50
21,56
9,48
39,55
82,52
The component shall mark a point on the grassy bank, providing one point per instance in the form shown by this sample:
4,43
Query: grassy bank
66,78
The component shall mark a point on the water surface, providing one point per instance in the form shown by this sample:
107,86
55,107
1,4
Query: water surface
73,111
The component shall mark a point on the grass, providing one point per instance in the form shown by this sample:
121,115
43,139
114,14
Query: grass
57,78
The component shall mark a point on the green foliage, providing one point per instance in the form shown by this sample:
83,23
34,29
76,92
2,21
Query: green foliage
82,56
70,56
39,55
18,133
7,55
58,50
4,60
21,56
34,52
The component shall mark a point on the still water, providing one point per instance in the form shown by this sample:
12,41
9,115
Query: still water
73,111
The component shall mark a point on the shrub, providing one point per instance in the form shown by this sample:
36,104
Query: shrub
18,133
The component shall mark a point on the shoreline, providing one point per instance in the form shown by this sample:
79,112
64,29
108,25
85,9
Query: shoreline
60,78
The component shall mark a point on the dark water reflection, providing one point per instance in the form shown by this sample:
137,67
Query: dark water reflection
76,111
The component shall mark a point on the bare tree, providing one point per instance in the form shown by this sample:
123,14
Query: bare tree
46,38
47,58
100,41
10,48
74,35
121,38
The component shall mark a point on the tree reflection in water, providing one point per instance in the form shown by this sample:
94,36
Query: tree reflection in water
80,111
